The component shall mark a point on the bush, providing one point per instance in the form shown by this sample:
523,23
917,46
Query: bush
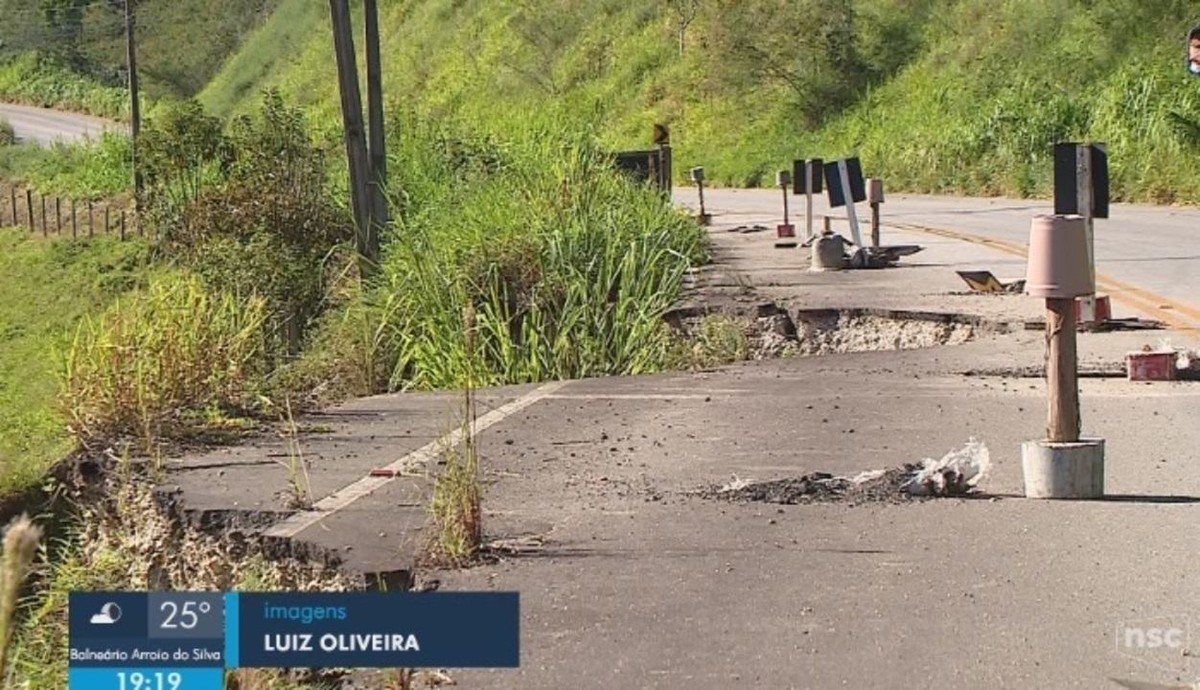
568,265
8,137
252,211
155,363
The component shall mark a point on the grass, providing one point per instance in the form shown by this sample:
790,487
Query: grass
46,289
164,363
32,80
935,95
8,136
124,541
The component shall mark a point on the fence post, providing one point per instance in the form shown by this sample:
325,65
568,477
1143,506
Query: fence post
107,220
12,197
58,215
43,200
122,224
74,222
91,220
29,208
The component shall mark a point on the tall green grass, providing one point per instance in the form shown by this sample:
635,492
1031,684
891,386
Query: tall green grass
568,266
163,362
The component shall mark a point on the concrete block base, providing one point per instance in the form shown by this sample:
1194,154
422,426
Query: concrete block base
1063,470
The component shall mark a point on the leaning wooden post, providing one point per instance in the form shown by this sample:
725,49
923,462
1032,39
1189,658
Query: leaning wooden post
1063,465
1062,374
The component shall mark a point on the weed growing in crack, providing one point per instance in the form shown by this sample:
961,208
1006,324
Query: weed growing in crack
299,487
457,494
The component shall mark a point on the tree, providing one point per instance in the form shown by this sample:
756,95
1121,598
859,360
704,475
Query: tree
685,12
807,46
64,19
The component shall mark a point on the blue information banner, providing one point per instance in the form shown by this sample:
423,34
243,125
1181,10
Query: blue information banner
146,641
373,630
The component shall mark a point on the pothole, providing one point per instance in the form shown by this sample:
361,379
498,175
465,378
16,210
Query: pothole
839,331
772,332
821,487
956,475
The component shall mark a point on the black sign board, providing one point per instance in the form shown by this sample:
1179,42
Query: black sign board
858,186
1066,179
800,175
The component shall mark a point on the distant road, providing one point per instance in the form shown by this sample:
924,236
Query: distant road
44,126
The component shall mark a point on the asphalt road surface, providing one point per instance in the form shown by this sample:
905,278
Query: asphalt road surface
1145,255
45,126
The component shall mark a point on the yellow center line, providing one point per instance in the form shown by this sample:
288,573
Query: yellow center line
1163,308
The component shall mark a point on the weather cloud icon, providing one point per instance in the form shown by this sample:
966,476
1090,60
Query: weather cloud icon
109,613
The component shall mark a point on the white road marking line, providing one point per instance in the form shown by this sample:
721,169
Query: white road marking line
344,497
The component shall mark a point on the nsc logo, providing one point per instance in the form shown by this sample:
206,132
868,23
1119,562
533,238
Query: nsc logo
1161,642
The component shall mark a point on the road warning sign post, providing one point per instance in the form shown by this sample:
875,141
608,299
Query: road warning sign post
786,232
846,188
806,174
1081,188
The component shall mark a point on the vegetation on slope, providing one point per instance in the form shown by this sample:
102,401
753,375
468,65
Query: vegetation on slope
72,52
935,95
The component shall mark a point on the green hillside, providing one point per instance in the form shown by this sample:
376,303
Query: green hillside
65,52
935,95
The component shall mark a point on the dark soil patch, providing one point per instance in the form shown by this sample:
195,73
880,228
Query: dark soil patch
822,487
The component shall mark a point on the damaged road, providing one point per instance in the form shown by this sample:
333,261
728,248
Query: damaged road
958,474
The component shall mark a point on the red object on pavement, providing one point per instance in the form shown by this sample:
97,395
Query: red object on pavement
785,230
1103,309
1151,366
383,472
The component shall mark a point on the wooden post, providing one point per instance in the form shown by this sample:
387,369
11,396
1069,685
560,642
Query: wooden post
377,146
12,197
135,109
107,220
875,224
91,220
1062,376
58,215
700,188
828,225
29,208
43,203
352,121
74,221
122,224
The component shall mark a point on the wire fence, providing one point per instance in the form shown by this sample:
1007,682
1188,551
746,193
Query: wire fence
22,207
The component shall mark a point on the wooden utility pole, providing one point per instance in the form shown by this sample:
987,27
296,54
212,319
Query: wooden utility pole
356,147
376,124
1062,375
135,110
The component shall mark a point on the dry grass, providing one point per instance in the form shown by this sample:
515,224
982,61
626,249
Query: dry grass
21,541
163,364
457,495
123,539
